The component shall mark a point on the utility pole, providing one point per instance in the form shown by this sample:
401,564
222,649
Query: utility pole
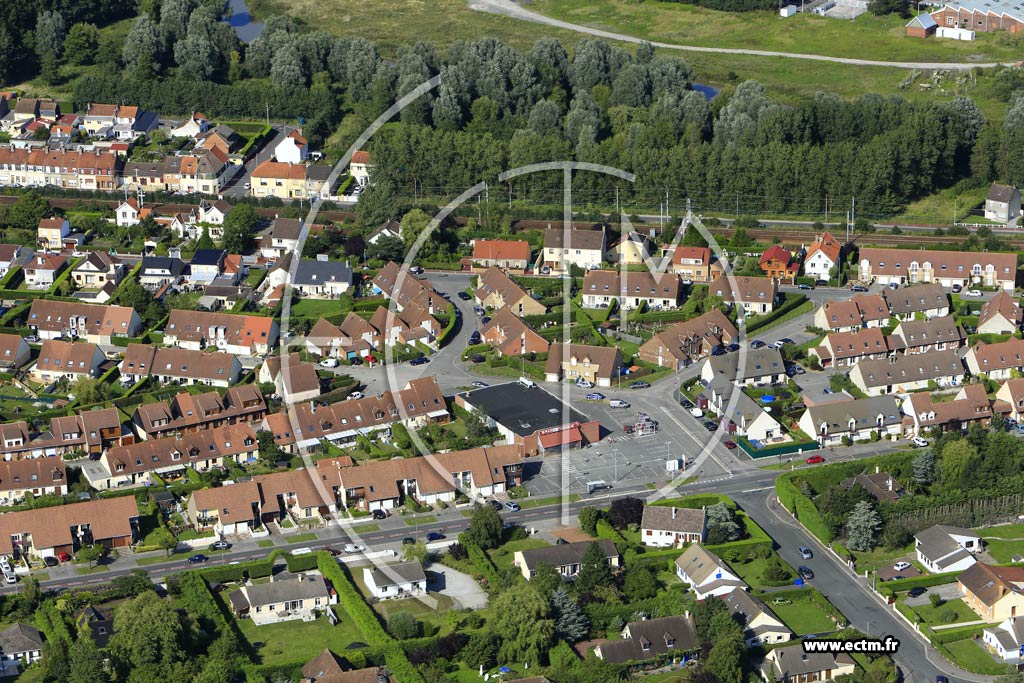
954,211
737,205
826,208
268,113
616,200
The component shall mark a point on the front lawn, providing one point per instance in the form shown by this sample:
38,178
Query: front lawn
753,571
438,617
300,641
805,612
316,308
503,556
970,655
933,616
1013,531
879,557
1002,550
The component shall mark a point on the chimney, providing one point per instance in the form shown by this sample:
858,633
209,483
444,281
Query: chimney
674,510
312,407
876,469
889,483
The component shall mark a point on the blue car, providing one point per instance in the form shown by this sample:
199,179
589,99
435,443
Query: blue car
421,360
197,559
594,397
435,536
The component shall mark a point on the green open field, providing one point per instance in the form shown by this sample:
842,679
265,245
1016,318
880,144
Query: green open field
298,641
804,613
503,556
933,615
971,656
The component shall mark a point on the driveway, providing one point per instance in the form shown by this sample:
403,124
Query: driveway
459,587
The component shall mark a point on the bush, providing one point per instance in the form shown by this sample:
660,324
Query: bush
935,599
947,616
404,625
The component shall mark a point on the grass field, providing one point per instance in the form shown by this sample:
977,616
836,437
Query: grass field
298,641
301,538
938,207
804,614
1014,531
933,615
753,572
1002,550
314,308
971,656
502,557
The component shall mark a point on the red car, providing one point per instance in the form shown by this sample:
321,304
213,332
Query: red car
815,459
731,445
63,557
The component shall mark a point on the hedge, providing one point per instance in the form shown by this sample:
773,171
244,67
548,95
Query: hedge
697,501
443,338
952,635
792,302
196,595
301,563
900,585
51,622
475,349
13,279
802,507
483,563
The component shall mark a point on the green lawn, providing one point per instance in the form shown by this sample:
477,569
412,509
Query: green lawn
419,609
938,207
421,519
1002,550
971,656
753,572
315,308
526,503
933,615
265,544
1003,531
301,538
804,614
503,556
85,571
879,557
299,641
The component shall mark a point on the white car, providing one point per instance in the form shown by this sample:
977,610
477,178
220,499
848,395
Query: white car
900,566
973,293
354,396
696,412
919,442
354,548
586,384
329,363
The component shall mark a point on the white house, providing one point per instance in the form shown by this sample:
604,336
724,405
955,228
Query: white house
395,580
302,596
1006,640
761,626
856,419
293,149
822,256
943,548
665,527
20,644
761,367
705,573
746,417
194,125
359,168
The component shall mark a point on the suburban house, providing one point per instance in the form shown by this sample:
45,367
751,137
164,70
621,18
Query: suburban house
649,638
666,527
997,361
822,256
778,264
755,295
845,349
689,340
943,548
1006,640
921,26
229,510
14,352
631,249
705,573
91,431
761,367
282,238
355,337
293,380
242,335
44,532
195,412
907,302
498,291
630,289
1002,204
882,486
38,476
925,336
61,360
1010,399
413,324
157,271
994,593
903,374
743,415
322,279
96,270
839,316
760,625
1001,314
395,580
359,167
9,255
20,645
298,596
598,365
504,254
564,248
203,171
396,283
68,169
510,336
205,266
179,366
694,264
94,323
327,668
51,233
416,405
831,423
948,268
42,270
565,559
293,148
791,664
389,229
191,127
281,180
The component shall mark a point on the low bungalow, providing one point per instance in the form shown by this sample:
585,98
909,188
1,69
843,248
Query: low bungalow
706,574
20,645
498,291
598,365
322,279
925,336
856,420
649,638
942,548
881,486
565,559
667,527
755,295
760,625
904,374
999,361
505,254
508,335
395,580
327,668
1006,640
688,341
299,596
792,663
971,406
1002,314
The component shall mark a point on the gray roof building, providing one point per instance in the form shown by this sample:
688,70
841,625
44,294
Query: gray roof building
18,638
918,298
565,555
407,572
757,363
681,520
651,638
318,272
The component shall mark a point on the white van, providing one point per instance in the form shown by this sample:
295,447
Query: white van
528,383
302,551
618,403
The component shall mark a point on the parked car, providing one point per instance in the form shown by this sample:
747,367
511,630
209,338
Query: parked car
784,341
618,403
416,270
815,460
408,540
464,296
916,592
973,293
496,505
50,561
805,572
63,557
584,383
354,548
639,385
686,403
821,283
710,426
858,288
805,286
197,559
355,396
900,566
478,358
220,545
484,320
594,397
718,351
474,338
730,445
733,347
757,344
329,363
32,339
379,514
894,285
480,385
478,310
333,552
419,360
957,289
435,536
512,507
696,412
919,442
805,553
356,360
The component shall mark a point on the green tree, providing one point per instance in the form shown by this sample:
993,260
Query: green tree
415,552
523,620
481,650
722,524
546,578
959,463
30,595
386,249
485,527
286,70
725,659
403,625
571,623
862,527
205,241
625,512
162,538
90,553
639,583
704,614
88,390
86,661
150,638
588,520
924,468
142,47
81,44
239,228
27,211
49,36
594,570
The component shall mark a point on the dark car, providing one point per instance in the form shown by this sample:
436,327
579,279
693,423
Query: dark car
710,426
478,358
821,283
686,403
733,347
786,340
941,679
435,536
639,385
858,288
420,360
220,545
50,561
496,505
731,445
475,337
757,344
916,592
806,286
718,351
333,552
805,572
408,540
464,296
380,514
356,361
484,320
197,559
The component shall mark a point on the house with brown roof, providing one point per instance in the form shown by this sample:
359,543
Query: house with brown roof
1010,399
630,289
833,424
925,336
510,336
689,340
68,169
496,290
907,303
359,167
668,527
778,263
97,269
997,361
242,335
971,406
195,412
564,248
598,365
204,171
277,179
416,405
45,532
994,593
948,268
412,324
229,510
822,256
293,148
283,237
14,352
844,349
355,337
179,366
99,119
863,310
755,295
674,636
38,476
72,320
43,269
293,380
61,360
791,664
292,494
326,668
694,264
398,284
904,374
51,233
1002,314
156,460
881,485
504,254
9,255
706,573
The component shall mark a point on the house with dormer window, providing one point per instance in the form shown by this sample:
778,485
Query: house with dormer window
650,638
856,420
905,374
598,365
996,361
707,574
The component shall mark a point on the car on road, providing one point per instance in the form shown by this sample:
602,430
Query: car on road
496,505
784,341
50,561
408,540
435,536
247,186
821,283
512,507
941,679
478,310
416,270
480,385
220,545
484,320
730,445
972,293
329,363
686,403
916,592
900,566
354,548
804,285
474,338
733,347
718,351
354,396
594,397
478,358
639,385
419,360
629,429
380,514
805,553
464,296
757,344
584,383
198,559
710,426
815,460
805,572
618,403
858,288
696,412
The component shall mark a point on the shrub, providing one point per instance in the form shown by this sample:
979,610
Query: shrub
947,616
935,599
404,625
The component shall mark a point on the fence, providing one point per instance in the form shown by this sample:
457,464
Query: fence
782,449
